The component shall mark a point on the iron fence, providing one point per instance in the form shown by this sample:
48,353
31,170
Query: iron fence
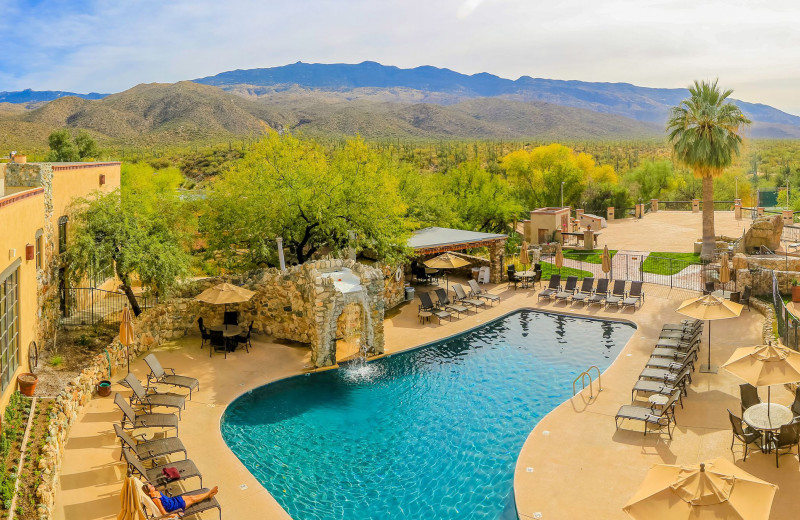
675,205
90,306
788,324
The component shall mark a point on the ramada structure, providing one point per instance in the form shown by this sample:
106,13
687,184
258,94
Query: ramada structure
34,222
435,240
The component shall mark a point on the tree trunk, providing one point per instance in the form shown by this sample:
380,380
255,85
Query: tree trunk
126,288
709,238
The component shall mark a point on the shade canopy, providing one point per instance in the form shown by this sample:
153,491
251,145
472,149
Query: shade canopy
712,491
126,326
765,365
224,293
709,307
724,269
559,257
523,254
606,260
446,261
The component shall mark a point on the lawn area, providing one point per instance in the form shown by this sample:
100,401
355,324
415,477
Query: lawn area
669,263
549,269
590,256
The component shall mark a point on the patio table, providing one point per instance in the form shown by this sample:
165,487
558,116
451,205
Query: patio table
757,417
526,276
726,295
228,331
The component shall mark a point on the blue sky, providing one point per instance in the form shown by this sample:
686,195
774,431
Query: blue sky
112,45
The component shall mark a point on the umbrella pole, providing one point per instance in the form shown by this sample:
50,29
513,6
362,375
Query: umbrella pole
708,368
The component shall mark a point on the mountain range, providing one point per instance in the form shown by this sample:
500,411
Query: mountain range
370,99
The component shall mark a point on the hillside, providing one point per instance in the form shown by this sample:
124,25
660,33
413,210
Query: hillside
369,80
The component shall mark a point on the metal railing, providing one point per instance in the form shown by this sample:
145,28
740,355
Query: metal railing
675,205
90,306
788,324
791,234
588,374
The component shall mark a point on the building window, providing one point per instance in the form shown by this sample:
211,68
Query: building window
9,327
38,255
62,234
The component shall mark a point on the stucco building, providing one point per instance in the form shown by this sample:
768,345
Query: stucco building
34,229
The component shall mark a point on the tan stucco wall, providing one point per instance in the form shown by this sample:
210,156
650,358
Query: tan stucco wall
19,221
70,182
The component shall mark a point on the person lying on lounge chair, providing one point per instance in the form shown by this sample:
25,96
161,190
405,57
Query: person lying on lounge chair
171,504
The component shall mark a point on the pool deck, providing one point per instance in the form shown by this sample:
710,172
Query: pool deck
603,467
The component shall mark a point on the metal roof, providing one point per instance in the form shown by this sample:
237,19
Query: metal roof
436,237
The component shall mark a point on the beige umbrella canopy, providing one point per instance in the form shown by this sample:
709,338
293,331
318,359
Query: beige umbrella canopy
559,262
606,260
523,254
446,261
126,331
724,269
224,293
712,491
709,308
765,365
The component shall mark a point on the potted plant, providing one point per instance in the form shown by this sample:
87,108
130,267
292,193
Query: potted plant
104,388
27,383
795,291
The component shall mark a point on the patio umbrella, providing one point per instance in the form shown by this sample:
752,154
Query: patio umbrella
709,308
126,332
130,500
606,260
559,262
711,491
724,270
446,261
523,254
223,294
765,365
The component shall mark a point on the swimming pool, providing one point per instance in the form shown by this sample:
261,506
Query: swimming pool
433,433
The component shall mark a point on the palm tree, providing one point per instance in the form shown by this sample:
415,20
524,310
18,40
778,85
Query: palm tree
706,132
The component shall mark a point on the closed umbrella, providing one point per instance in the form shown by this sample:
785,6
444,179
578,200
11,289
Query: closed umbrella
446,261
126,332
765,365
724,270
711,491
606,260
223,294
523,254
709,308
131,501
559,258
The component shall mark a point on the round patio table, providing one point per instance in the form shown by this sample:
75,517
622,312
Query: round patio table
725,295
227,331
526,277
756,417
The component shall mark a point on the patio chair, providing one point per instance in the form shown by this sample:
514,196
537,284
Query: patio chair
709,287
743,433
144,420
461,296
649,415
449,306
569,289
635,296
788,436
585,291
617,293
796,403
749,396
681,382
477,292
600,293
512,276
158,375
218,343
230,318
204,335
426,305
553,287
147,450
244,338
186,468
745,299
150,399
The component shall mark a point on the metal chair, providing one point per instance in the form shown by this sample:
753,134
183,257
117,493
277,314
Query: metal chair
742,433
788,436
204,335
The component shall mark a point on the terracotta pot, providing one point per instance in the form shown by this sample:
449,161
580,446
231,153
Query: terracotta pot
27,383
796,294
104,388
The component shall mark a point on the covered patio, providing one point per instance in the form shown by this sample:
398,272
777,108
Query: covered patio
437,240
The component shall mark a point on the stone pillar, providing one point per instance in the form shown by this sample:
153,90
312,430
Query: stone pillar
737,209
760,210
496,261
654,205
695,205
610,214
788,217
579,213
588,239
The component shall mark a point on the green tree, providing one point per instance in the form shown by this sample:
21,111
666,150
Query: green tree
481,200
65,148
705,132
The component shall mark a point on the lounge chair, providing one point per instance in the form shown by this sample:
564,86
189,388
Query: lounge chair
461,296
152,512
743,433
426,305
681,381
158,375
684,337
585,291
477,292
660,361
204,335
669,373
635,295
600,293
244,338
186,468
552,288
649,415
786,439
147,450
569,289
617,293
683,326
445,303
144,420
749,396
142,398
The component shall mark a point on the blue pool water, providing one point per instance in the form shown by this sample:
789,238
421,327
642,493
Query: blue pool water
429,434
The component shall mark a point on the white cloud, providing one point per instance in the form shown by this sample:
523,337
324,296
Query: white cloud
751,45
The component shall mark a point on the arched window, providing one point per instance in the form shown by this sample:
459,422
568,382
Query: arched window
62,233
